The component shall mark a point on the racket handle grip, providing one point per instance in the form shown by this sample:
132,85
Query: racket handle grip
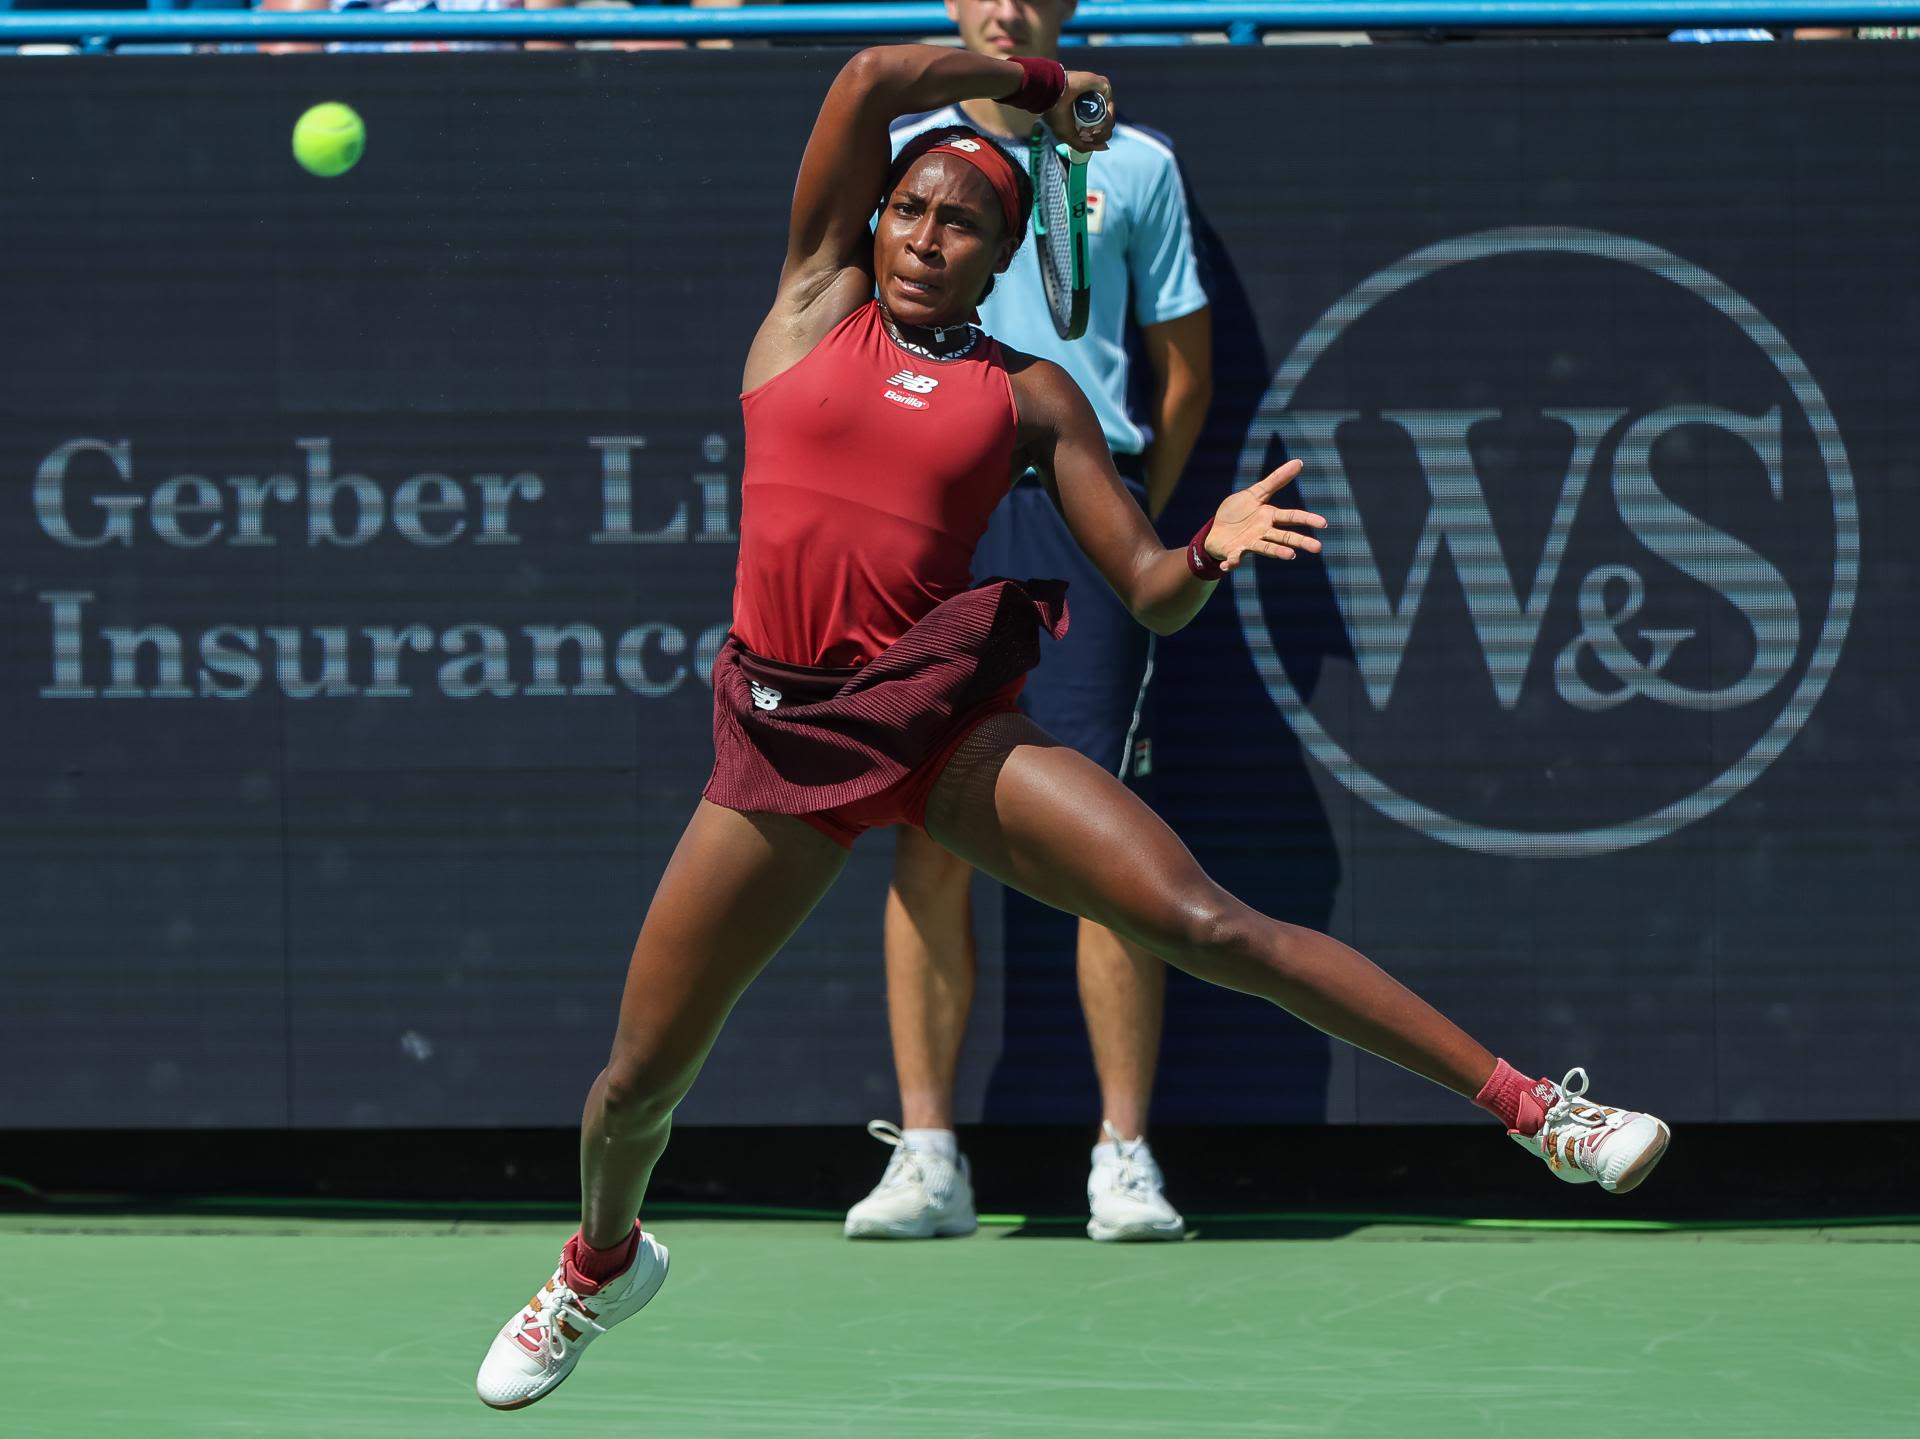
1091,108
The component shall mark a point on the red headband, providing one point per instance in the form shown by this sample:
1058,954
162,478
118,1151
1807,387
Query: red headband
991,161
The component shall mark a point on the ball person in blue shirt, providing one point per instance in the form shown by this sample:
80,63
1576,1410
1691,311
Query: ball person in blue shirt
1090,690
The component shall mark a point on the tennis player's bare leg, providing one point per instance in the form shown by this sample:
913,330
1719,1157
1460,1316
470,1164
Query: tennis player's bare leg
737,887
1036,815
931,966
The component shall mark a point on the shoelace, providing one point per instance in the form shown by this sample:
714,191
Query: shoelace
904,1166
1137,1170
1570,1111
563,1305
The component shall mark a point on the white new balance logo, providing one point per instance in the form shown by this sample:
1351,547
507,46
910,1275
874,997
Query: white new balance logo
765,697
919,384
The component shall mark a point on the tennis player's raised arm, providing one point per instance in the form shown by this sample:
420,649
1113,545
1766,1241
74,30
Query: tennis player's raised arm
849,151
1061,437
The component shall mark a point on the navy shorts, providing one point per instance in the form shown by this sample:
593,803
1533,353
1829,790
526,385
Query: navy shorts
1090,691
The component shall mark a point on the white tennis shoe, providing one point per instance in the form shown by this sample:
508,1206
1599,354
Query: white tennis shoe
540,1345
1124,1193
1584,1142
922,1195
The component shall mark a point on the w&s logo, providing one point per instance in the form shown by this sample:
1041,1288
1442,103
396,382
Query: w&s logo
1592,542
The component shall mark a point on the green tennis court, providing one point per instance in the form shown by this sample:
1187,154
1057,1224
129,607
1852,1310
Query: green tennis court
201,1326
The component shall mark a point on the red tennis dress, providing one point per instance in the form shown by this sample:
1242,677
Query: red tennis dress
861,656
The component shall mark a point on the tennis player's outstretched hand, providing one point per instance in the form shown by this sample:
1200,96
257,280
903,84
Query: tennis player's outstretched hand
1245,524
1060,119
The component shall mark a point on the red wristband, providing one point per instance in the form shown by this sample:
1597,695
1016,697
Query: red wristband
1203,565
1042,85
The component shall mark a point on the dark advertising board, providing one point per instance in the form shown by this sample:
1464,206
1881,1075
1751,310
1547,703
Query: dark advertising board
367,543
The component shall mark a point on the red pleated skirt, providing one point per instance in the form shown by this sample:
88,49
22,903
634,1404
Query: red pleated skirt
848,750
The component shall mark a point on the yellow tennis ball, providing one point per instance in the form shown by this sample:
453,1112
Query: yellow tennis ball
329,139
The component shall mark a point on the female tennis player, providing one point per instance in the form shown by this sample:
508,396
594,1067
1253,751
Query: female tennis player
866,684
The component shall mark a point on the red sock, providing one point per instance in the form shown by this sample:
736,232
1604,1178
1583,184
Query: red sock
1516,1101
588,1269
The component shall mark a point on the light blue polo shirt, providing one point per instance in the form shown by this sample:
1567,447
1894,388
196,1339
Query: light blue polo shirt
1140,247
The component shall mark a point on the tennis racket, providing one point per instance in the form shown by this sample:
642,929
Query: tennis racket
1060,218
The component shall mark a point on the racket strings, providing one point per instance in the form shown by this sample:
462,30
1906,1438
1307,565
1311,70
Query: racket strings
1057,222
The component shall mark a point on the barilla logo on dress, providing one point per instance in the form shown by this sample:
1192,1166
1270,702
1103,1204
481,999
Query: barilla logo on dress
918,384
765,697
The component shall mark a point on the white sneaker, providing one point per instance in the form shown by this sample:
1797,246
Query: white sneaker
1583,1142
922,1195
540,1345
1123,1192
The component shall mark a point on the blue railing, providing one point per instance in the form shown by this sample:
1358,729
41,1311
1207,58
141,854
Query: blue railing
1242,20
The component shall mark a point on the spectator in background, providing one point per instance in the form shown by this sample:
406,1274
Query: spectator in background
340,7
1718,37
468,6
1806,32
1864,32
1090,689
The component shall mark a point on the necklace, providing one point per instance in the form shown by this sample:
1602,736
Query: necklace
939,337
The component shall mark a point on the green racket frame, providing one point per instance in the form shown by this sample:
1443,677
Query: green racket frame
1042,149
